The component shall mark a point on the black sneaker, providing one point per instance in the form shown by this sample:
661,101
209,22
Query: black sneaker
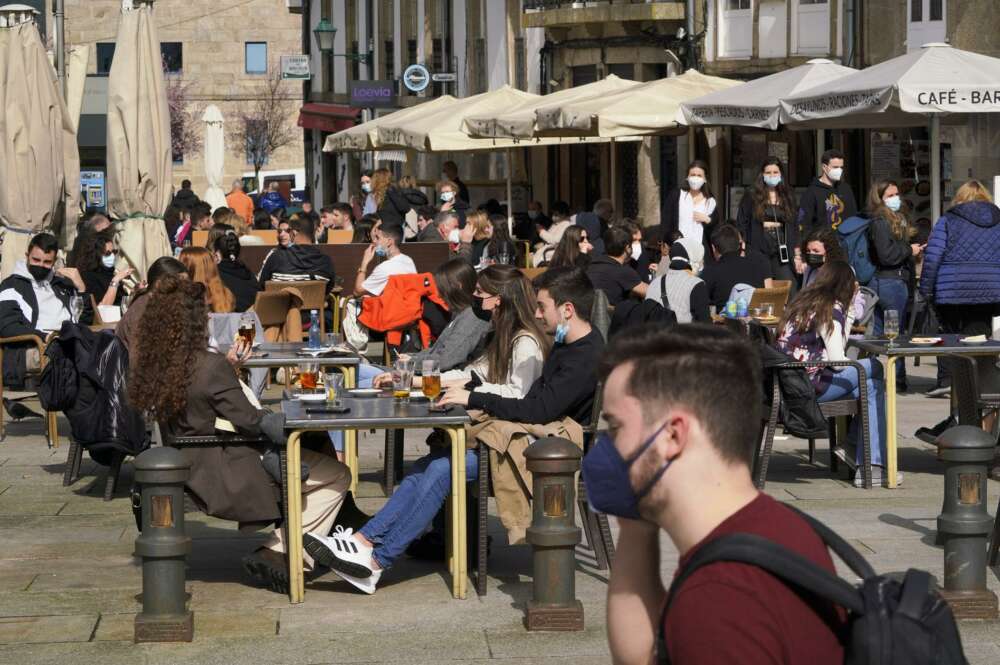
931,434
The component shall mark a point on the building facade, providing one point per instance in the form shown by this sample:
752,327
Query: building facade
221,52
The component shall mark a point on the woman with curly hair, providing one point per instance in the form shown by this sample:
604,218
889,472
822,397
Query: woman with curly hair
95,258
821,246
202,269
186,387
390,199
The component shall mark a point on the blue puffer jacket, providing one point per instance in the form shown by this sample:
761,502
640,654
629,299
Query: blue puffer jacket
962,260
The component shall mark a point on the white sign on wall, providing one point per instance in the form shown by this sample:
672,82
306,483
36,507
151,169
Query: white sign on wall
295,67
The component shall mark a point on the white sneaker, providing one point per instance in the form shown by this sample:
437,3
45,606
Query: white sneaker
879,477
341,552
366,584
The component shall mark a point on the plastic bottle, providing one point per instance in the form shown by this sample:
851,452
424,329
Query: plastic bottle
741,308
730,309
314,329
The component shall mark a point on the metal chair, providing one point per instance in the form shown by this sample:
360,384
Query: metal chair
74,460
52,427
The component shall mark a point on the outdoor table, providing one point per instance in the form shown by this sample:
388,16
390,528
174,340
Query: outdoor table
902,348
285,354
381,412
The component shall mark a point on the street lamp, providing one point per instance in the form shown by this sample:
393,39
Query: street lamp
325,33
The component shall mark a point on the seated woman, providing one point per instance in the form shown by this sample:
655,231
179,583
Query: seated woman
202,269
685,291
573,249
819,247
95,259
129,324
511,363
186,388
500,245
815,327
234,274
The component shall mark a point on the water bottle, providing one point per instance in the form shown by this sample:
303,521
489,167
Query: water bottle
314,329
741,308
731,309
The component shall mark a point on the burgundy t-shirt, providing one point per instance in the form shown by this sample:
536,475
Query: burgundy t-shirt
737,613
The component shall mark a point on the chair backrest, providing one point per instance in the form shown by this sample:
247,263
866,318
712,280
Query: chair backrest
272,307
223,327
965,383
781,283
199,238
590,429
269,236
777,296
532,273
313,291
339,236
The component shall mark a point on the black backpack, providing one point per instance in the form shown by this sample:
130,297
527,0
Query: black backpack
890,622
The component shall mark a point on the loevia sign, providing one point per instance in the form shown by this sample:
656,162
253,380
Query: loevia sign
373,94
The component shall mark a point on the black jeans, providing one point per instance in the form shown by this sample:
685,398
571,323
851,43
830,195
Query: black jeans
967,320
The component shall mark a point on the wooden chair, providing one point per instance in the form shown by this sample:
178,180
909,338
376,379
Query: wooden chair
313,296
52,427
524,252
269,236
776,296
199,238
532,273
339,236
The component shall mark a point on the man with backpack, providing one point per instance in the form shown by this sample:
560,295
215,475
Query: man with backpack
677,457
829,200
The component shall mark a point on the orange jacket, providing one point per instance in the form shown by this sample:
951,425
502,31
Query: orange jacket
400,306
242,205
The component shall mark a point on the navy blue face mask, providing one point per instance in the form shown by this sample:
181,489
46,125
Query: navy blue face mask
606,476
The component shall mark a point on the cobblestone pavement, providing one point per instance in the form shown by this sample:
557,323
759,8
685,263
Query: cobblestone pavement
69,582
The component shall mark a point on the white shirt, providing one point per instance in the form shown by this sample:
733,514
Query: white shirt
685,215
51,311
525,367
400,264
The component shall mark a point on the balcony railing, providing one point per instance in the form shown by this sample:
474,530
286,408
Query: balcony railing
543,5
556,13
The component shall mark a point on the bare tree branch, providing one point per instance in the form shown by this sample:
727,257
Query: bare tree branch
263,125
185,138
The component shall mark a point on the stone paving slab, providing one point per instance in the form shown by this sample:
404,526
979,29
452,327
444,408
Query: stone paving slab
261,623
34,629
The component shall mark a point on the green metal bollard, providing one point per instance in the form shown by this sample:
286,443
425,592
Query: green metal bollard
553,535
163,547
964,522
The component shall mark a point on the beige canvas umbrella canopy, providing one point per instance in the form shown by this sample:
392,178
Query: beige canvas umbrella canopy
139,159
39,162
215,156
645,109
365,136
519,122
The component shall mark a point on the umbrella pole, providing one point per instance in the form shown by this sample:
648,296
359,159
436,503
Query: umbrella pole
935,167
614,174
510,203
820,148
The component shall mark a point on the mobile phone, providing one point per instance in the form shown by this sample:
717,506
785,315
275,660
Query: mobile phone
440,409
328,409
783,253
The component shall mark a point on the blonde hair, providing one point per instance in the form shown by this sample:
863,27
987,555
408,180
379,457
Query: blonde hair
447,183
237,222
381,180
480,222
201,268
973,190
407,182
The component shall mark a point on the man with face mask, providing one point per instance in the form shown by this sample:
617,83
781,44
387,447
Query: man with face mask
829,200
34,300
677,457
385,246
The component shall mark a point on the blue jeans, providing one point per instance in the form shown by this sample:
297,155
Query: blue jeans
365,375
845,383
412,507
892,294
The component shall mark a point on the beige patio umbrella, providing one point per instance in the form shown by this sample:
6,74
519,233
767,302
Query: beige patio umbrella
38,152
641,110
139,157
215,156
519,122
364,136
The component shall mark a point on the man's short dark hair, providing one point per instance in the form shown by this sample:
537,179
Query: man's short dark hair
726,239
45,242
560,208
302,225
344,209
569,284
617,241
394,231
832,153
199,212
426,212
604,209
185,184
707,369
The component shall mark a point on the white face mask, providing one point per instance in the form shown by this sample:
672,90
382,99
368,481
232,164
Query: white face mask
696,182
636,250
447,196
835,174
894,203
108,261
454,237
366,187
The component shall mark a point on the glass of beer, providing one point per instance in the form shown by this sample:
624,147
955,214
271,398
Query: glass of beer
402,379
247,329
891,325
333,382
308,376
430,370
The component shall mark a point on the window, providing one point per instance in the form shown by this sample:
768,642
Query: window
583,74
812,2
173,57
811,27
105,54
389,60
735,28
256,57
916,10
927,23
520,65
937,10
625,70
736,5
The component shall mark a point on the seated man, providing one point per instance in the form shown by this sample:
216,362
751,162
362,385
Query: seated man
444,229
34,300
678,402
302,258
611,272
730,268
339,217
385,244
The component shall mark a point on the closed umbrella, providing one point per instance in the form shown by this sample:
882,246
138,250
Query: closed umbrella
37,139
139,150
912,89
215,156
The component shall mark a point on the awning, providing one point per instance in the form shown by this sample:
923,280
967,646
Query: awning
327,117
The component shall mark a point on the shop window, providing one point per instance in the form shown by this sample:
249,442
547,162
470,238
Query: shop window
256,58
735,28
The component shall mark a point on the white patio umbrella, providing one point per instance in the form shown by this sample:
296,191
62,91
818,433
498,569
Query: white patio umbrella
39,162
215,156
364,137
140,166
912,89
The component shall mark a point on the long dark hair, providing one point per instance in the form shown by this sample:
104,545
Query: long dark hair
500,241
158,269
261,219
515,315
813,306
568,254
88,253
172,331
786,198
706,189
878,208
456,281
228,247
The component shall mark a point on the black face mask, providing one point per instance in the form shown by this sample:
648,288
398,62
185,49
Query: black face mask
815,260
477,309
39,273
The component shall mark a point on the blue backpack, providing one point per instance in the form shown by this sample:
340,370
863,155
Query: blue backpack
853,236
